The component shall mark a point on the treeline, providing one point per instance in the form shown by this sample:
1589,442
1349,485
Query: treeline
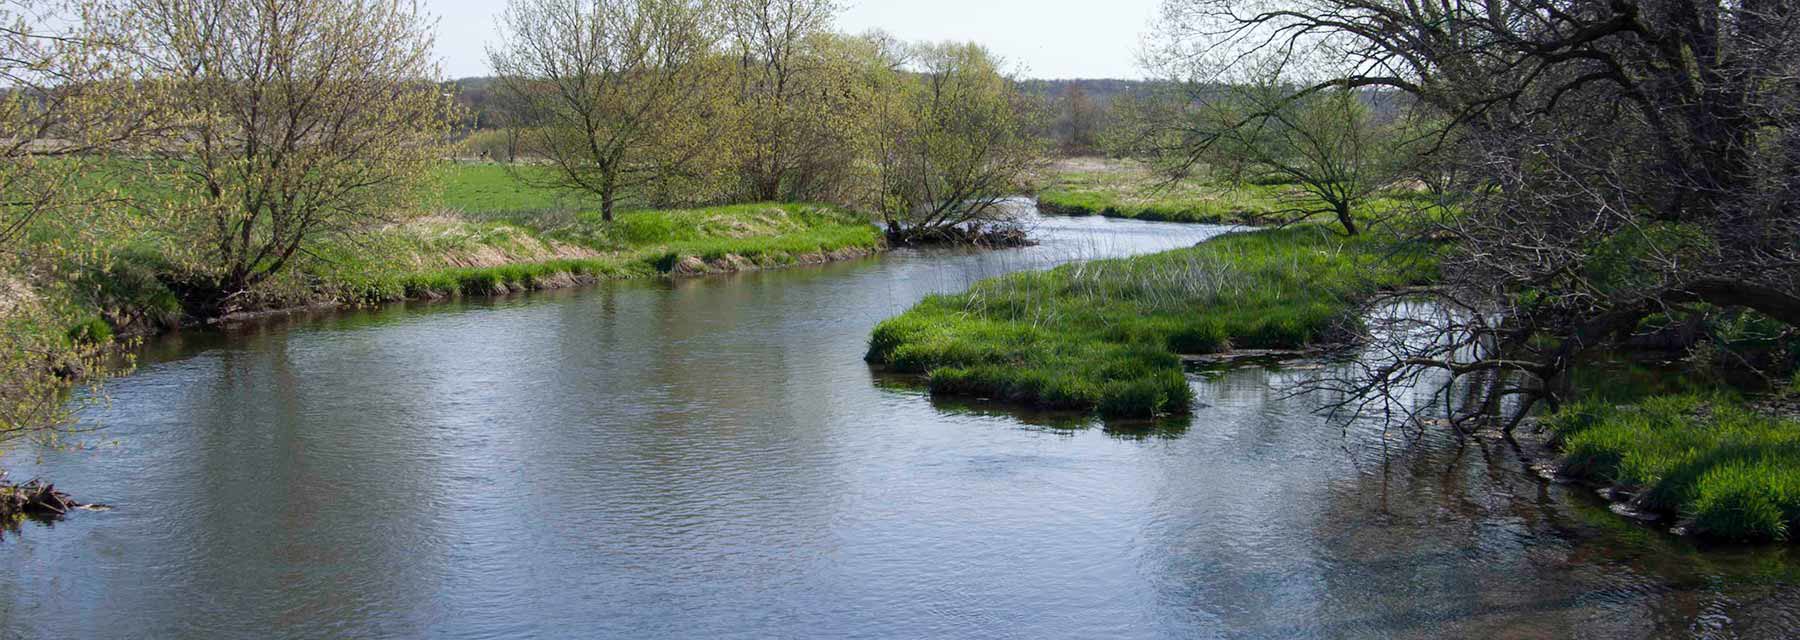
1077,114
216,145
681,102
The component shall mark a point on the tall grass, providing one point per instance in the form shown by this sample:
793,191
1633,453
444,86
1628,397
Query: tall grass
1105,335
1734,473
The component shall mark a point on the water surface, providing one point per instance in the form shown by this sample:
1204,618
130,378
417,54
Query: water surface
712,458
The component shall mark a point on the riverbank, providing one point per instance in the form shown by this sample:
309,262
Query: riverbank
1108,335
1714,464
484,233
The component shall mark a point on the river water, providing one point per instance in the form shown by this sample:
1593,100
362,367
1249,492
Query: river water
711,458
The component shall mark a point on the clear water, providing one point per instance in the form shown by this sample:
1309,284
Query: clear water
712,458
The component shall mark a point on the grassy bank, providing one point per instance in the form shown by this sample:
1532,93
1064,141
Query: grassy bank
1107,335
1726,470
448,255
485,233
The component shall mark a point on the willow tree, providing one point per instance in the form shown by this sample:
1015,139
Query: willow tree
618,93
299,120
953,139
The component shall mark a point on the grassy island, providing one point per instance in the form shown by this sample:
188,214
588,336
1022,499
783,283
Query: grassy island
1107,335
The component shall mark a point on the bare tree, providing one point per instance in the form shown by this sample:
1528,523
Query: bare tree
1622,159
616,90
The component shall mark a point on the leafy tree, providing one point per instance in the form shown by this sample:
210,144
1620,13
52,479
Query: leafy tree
620,95
298,119
952,139
64,105
797,98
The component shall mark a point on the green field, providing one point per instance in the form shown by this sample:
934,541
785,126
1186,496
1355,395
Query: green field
1124,189
1106,335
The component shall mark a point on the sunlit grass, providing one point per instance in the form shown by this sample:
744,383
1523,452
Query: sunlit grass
1121,189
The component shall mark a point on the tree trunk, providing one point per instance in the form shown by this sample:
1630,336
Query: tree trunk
1344,217
608,197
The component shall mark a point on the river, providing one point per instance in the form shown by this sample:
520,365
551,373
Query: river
711,457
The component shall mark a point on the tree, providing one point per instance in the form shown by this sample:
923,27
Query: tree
299,119
64,105
952,140
796,96
1325,142
1079,120
618,91
1624,160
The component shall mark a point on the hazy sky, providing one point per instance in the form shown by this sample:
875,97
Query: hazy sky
1044,38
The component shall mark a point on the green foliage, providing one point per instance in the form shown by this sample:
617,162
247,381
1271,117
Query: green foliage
1733,472
1105,335
953,137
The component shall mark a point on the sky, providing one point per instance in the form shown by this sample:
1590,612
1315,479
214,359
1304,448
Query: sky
1040,38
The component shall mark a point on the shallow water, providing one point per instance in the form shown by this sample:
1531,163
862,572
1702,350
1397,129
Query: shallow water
712,458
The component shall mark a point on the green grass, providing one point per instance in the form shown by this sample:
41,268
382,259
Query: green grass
1732,472
486,189
483,231
1122,189
446,256
1106,335
1126,191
